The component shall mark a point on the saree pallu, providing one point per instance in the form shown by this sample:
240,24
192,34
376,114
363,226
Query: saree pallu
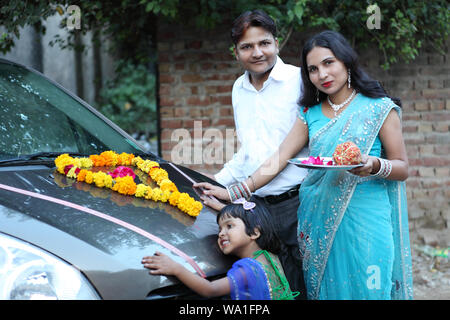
353,232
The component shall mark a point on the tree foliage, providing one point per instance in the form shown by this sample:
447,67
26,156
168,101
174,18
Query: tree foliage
406,25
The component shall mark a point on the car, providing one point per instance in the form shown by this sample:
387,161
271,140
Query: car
65,239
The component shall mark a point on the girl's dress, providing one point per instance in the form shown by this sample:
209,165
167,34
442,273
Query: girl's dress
353,232
253,280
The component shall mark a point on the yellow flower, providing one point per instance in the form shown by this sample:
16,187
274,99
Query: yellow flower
71,173
165,196
89,177
156,194
167,185
167,191
99,179
85,162
62,161
173,199
140,190
108,181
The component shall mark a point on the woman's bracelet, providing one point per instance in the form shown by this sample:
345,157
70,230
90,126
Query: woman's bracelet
253,182
239,190
385,169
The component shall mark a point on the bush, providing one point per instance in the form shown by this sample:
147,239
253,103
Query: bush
129,100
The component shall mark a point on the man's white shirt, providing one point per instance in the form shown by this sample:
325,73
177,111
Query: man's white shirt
263,119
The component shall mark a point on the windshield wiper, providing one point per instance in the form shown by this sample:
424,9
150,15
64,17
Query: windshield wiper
38,155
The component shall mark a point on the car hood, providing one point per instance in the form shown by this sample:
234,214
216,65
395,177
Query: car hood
107,246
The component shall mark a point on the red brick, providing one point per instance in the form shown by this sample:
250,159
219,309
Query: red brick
180,112
192,123
207,66
165,78
225,100
229,122
173,124
166,102
196,101
166,112
435,162
164,89
226,111
197,44
223,89
166,134
179,66
195,113
440,127
410,128
442,150
435,93
191,78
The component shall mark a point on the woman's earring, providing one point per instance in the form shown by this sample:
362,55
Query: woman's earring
317,95
349,78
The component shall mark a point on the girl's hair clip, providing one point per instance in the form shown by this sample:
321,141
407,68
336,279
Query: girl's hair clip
248,205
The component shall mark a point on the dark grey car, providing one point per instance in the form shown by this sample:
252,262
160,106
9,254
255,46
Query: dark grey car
63,239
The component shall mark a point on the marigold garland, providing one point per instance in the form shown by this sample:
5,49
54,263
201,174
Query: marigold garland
78,168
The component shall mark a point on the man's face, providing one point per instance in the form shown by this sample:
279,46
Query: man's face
257,51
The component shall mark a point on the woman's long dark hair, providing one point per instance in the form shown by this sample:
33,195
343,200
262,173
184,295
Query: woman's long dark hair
342,50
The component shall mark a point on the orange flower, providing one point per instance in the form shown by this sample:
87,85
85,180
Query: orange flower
82,175
167,190
125,185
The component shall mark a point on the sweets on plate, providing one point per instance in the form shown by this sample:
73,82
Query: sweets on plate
347,153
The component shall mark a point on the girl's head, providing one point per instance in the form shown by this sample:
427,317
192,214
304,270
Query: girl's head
238,226
345,54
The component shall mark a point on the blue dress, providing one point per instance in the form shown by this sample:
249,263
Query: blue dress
253,280
346,223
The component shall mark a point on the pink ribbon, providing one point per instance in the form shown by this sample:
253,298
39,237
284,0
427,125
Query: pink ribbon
113,220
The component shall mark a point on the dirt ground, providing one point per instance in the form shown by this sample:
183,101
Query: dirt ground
431,276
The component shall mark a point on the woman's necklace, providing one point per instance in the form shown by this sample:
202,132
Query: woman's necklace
337,107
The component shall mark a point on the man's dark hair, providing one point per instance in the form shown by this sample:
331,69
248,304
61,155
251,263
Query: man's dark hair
255,18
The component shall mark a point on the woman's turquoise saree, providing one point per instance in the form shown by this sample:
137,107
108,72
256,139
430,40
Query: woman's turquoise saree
353,232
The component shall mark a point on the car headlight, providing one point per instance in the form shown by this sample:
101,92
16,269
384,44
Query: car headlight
29,273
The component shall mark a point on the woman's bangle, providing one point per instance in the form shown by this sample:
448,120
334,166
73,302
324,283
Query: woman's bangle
239,190
253,182
385,169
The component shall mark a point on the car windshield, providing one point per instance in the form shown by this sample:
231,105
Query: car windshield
38,116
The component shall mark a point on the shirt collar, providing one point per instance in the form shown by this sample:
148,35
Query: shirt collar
276,74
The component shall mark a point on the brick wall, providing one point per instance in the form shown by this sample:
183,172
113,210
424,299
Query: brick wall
196,74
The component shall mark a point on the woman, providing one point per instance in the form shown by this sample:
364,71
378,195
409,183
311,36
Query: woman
353,227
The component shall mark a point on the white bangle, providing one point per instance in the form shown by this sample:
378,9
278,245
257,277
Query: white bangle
385,169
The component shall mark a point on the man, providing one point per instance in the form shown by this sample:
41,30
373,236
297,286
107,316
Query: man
265,107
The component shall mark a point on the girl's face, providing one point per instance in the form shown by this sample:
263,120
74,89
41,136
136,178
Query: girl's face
326,72
234,240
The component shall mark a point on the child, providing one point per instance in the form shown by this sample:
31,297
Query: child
246,231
